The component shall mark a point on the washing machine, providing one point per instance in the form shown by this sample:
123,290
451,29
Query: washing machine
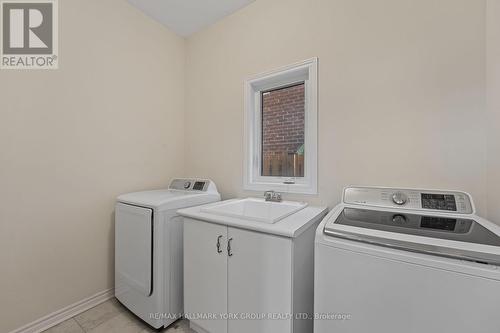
149,248
393,260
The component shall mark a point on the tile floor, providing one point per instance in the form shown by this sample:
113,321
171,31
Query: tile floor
112,317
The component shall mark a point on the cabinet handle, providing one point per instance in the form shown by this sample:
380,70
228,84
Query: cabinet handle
219,250
229,253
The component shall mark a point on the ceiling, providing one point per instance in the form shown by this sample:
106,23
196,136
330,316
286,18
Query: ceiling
186,17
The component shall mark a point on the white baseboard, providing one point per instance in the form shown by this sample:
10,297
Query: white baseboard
70,311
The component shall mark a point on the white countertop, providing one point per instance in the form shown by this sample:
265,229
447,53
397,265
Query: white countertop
291,226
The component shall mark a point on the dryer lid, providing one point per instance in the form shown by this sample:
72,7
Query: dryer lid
153,198
181,193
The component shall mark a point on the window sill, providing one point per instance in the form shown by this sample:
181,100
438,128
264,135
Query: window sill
280,187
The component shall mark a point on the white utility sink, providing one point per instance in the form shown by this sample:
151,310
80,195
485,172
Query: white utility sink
256,209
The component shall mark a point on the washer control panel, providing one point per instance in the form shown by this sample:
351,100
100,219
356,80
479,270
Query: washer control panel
426,200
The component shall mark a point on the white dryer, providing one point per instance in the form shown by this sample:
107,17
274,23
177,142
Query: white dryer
149,248
397,260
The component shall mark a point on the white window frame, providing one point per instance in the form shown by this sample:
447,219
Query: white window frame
307,72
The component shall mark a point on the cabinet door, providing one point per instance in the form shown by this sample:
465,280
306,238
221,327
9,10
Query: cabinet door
205,275
259,282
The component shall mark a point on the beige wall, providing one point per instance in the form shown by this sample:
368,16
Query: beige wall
108,121
401,90
493,71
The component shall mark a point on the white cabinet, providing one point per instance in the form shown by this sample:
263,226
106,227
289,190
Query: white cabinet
205,275
259,281
251,282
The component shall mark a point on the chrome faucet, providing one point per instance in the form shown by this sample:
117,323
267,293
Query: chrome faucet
273,196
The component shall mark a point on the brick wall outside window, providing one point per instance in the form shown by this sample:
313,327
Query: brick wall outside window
283,127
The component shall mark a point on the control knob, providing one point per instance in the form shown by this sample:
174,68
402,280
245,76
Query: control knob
399,219
187,185
399,198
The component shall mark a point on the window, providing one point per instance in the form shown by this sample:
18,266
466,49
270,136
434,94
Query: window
281,130
283,127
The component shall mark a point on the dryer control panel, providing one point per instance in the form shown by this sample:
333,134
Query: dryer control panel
426,200
188,184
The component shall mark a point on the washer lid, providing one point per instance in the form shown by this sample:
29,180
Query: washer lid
462,238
